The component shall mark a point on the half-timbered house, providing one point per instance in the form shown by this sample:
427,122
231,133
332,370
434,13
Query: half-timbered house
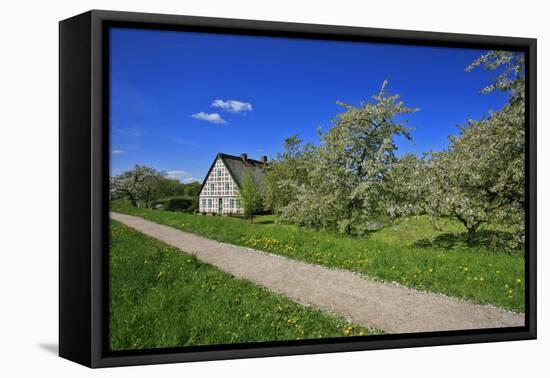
220,189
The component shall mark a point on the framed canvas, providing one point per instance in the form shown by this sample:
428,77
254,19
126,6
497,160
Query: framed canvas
234,188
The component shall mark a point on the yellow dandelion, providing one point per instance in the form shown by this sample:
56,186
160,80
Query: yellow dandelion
518,280
430,270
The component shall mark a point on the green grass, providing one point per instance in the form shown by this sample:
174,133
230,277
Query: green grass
411,252
161,297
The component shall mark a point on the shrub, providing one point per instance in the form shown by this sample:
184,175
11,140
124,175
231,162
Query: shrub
158,204
179,204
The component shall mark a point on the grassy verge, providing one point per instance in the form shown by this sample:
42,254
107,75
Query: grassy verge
411,253
161,297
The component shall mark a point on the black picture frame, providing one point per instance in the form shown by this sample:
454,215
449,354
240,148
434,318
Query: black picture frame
84,190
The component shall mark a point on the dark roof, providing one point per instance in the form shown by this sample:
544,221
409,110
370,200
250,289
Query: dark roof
238,168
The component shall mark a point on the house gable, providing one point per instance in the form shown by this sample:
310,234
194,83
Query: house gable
219,191
219,181
238,169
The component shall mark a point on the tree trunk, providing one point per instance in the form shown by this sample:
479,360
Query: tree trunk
471,234
472,228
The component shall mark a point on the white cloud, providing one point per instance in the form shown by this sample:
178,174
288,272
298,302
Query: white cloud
180,175
233,106
117,152
175,174
190,179
209,117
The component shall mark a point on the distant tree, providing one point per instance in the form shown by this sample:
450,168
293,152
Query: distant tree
191,189
286,174
168,187
139,185
250,197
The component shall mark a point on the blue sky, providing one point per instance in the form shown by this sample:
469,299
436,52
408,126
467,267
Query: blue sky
178,98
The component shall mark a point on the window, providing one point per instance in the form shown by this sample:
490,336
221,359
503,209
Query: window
219,173
231,203
210,203
203,203
212,187
227,187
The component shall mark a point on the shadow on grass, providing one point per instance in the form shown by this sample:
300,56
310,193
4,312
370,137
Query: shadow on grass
486,239
263,221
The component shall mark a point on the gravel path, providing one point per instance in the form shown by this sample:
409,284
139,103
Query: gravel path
389,307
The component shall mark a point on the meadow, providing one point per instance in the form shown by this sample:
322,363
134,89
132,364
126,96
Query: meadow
410,252
163,297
